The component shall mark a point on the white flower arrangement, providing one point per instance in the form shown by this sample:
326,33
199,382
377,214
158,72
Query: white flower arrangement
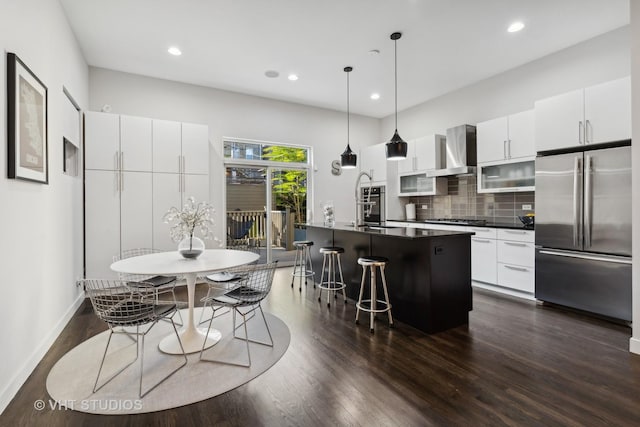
192,216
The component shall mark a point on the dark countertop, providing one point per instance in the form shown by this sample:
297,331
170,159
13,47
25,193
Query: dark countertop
511,226
401,232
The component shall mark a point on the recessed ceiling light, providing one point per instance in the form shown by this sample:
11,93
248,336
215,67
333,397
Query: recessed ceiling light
515,27
293,77
374,52
272,74
375,96
174,51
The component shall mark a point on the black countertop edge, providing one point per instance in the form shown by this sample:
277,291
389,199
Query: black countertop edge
487,224
401,232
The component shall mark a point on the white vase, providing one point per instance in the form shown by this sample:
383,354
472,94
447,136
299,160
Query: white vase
191,247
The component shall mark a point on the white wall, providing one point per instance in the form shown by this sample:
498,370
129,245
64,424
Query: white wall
231,114
635,150
41,245
597,60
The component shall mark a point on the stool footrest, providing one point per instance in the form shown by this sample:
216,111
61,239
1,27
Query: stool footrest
302,273
328,286
365,305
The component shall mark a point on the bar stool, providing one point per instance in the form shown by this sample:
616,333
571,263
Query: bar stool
302,266
371,305
331,258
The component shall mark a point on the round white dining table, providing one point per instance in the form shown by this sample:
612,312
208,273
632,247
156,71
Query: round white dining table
172,264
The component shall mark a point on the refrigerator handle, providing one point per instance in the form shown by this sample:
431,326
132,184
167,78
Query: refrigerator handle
588,196
576,200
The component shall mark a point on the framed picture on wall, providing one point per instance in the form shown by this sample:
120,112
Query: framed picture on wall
26,123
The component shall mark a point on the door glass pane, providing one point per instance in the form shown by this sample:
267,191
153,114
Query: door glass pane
265,151
246,204
289,207
509,175
416,183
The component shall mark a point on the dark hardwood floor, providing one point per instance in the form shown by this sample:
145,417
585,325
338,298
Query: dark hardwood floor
517,363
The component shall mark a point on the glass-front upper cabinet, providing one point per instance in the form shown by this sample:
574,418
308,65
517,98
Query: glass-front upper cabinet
419,184
506,177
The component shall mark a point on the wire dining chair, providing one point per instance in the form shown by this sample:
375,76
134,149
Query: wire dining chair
121,306
163,285
245,300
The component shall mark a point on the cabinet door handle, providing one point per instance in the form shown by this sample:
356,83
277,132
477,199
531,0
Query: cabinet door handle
121,182
587,125
580,132
482,240
515,232
511,267
509,148
122,160
482,230
504,149
179,164
515,244
184,165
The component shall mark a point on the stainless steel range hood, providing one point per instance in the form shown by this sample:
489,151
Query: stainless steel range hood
461,152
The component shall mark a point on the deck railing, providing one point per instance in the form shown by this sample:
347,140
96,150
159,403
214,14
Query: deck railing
252,226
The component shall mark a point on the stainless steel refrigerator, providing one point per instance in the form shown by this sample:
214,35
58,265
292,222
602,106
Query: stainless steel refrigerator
583,230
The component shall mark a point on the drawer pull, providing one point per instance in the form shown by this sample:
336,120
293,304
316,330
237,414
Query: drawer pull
515,231
482,240
483,230
515,244
517,268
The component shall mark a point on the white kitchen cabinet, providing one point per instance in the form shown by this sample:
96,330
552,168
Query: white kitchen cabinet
180,147
173,190
506,138
483,259
135,210
167,151
195,149
507,176
419,184
167,193
117,142
607,111
102,221
425,153
373,160
600,113
126,195
135,144
117,216
102,136
516,260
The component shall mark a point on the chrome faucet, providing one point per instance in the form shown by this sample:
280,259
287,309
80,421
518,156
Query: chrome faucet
365,202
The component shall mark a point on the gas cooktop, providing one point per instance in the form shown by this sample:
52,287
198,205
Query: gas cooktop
457,221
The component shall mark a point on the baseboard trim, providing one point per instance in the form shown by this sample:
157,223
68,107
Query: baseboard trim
634,345
22,374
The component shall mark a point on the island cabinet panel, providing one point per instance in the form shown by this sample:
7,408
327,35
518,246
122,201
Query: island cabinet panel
428,276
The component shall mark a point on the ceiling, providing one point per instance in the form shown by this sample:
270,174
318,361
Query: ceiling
230,44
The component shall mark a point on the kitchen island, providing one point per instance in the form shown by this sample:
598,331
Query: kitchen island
428,274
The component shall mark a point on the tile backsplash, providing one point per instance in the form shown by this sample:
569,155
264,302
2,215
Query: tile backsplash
464,201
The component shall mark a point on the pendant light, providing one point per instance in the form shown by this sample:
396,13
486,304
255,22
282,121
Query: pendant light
396,148
348,159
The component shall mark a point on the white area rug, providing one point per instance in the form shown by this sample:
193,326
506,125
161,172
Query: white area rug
70,382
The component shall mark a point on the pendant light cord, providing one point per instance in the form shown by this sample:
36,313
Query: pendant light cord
395,45
347,109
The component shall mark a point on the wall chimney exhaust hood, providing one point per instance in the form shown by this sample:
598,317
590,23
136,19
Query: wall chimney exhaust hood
460,152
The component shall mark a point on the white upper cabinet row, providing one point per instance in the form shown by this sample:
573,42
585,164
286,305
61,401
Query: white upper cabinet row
593,115
141,144
506,138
